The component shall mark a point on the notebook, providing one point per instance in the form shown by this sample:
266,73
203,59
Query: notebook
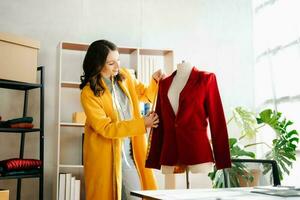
281,191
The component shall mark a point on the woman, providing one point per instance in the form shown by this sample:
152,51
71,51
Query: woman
110,99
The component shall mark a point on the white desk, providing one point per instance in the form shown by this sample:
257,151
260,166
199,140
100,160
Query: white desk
207,194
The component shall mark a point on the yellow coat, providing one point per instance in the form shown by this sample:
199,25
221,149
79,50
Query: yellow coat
103,139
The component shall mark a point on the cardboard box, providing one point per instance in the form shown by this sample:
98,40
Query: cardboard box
78,117
18,58
4,194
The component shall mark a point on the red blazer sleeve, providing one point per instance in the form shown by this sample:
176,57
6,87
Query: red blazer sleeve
155,140
217,124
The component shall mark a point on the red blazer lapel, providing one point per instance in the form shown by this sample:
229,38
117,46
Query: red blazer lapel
165,86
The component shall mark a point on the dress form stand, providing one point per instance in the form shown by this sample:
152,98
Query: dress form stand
187,178
180,80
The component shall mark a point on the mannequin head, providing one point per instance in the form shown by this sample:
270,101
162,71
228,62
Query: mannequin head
184,64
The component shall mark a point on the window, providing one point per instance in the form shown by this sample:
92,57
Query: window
277,55
276,28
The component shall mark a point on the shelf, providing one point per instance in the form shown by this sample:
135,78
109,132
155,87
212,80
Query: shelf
31,174
154,52
71,166
70,84
35,173
74,46
84,47
18,85
70,124
17,130
126,50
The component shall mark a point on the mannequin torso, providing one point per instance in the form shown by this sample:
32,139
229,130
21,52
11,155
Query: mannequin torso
180,80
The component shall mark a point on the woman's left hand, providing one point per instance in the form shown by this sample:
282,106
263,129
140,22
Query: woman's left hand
158,75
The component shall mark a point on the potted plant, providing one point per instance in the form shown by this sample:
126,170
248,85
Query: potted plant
282,149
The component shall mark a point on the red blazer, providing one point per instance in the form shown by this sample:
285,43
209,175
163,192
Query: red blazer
182,139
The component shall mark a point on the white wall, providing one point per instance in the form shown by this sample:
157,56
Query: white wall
215,35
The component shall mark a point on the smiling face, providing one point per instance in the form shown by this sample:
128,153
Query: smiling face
112,65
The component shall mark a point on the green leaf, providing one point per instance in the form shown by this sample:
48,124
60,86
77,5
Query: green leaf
288,123
289,163
236,152
246,121
283,167
265,115
232,141
293,132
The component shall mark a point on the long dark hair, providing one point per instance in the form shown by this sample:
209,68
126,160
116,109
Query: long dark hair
94,62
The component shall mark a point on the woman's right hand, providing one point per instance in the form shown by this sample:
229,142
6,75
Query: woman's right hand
151,120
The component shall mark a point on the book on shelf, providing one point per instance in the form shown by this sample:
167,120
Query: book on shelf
69,187
72,189
62,186
77,190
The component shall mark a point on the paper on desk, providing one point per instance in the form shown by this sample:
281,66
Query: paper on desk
280,187
211,195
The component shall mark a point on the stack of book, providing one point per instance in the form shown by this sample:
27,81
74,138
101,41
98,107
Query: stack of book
282,191
69,187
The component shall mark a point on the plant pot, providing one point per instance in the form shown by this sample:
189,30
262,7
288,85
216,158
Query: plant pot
248,183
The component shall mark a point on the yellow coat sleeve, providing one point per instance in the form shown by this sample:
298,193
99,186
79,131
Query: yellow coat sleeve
104,125
144,94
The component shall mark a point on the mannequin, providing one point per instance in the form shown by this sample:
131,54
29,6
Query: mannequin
187,102
182,75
